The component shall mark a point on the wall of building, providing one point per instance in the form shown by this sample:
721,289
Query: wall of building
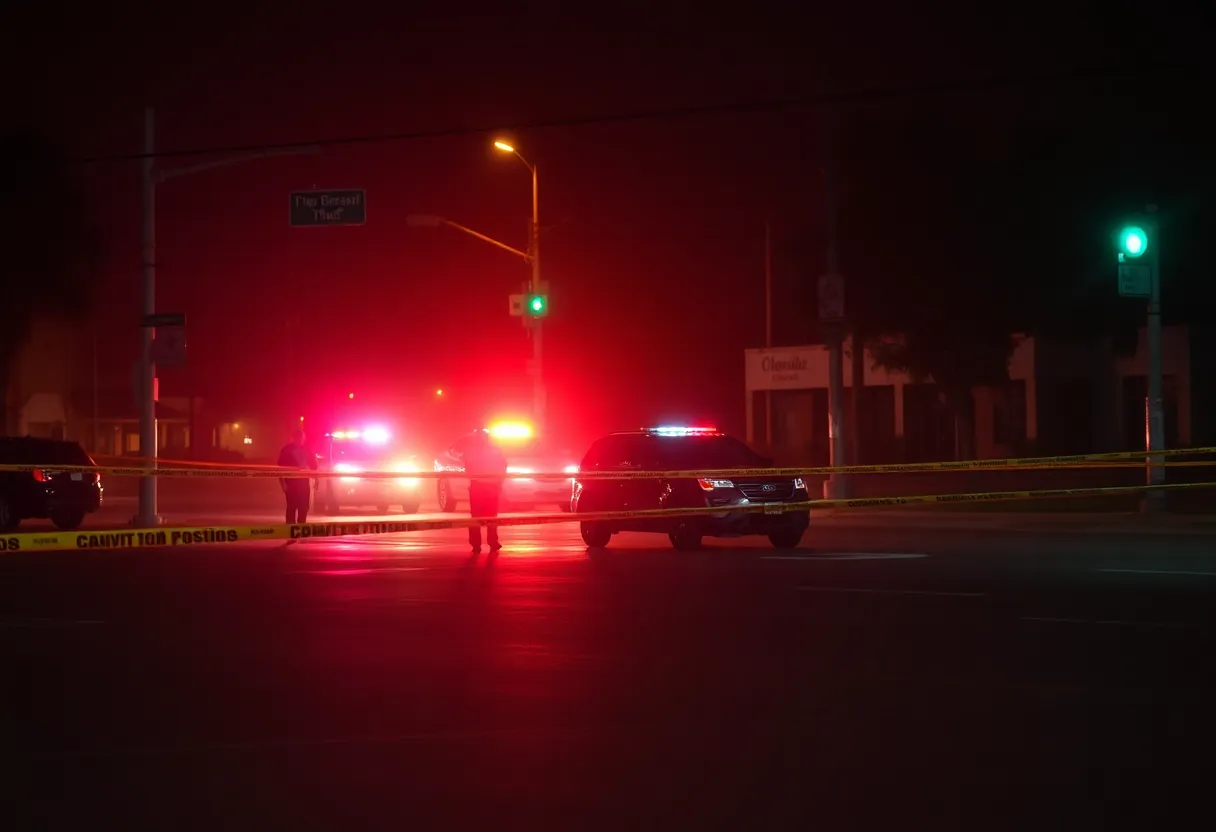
1061,398
45,369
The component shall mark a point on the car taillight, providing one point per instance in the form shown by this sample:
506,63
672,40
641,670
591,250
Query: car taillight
41,476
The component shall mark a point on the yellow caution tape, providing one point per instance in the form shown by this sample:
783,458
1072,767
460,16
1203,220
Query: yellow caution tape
188,536
1079,461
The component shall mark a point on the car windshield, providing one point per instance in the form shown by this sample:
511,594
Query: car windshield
357,452
688,453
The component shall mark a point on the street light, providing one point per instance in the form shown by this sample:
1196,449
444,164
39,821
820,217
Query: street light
153,176
535,289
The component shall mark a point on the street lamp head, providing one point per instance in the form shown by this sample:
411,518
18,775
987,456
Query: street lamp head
504,147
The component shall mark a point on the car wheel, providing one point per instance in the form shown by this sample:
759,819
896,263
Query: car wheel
786,538
410,508
447,501
8,521
595,535
67,519
685,538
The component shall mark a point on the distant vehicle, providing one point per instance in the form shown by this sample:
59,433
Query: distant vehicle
63,497
526,454
687,449
371,448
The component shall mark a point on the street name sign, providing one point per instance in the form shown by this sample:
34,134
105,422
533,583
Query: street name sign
1135,281
315,208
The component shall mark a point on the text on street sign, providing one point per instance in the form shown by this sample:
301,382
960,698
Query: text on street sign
314,208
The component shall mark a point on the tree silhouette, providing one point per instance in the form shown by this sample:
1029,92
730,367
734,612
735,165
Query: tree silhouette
48,244
937,238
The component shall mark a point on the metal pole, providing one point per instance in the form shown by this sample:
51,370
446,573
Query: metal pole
768,331
148,514
96,429
1155,499
836,483
538,378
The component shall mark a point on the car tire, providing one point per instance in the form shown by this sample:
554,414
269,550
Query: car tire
8,521
786,539
447,500
685,538
67,519
410,508
595,535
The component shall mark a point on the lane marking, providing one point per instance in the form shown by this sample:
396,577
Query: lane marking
290,743
1160,572
345,572
846,556
863,591
1098,622
45,623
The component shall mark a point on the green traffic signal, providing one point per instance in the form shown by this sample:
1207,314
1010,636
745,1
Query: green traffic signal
537,305
1133,242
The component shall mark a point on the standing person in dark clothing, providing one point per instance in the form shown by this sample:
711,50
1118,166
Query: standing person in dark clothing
486,466
295,489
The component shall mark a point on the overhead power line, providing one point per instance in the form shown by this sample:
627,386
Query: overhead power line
876,94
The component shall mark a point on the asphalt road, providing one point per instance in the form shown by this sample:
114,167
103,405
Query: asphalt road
932,678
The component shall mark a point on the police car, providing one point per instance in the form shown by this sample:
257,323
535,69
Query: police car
776,506
371,448
526,454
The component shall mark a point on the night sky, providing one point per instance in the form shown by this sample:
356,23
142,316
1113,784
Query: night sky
654,227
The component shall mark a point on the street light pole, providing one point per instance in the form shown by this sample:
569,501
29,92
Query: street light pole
148,514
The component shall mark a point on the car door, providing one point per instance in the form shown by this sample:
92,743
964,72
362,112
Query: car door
644,493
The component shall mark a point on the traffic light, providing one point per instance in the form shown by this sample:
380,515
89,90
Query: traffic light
1133,242
538,306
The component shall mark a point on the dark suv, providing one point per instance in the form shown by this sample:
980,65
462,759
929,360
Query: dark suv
45,492
687,449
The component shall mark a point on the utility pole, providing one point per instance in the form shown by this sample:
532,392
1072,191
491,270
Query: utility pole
148,449
768,332
146,391
831,316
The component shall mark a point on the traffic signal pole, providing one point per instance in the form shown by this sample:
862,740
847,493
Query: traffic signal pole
1154,497
538,377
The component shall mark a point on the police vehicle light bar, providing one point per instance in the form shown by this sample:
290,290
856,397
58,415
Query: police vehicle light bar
674,430
375,435
510,430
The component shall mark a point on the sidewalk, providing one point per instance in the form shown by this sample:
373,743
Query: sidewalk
1111,522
